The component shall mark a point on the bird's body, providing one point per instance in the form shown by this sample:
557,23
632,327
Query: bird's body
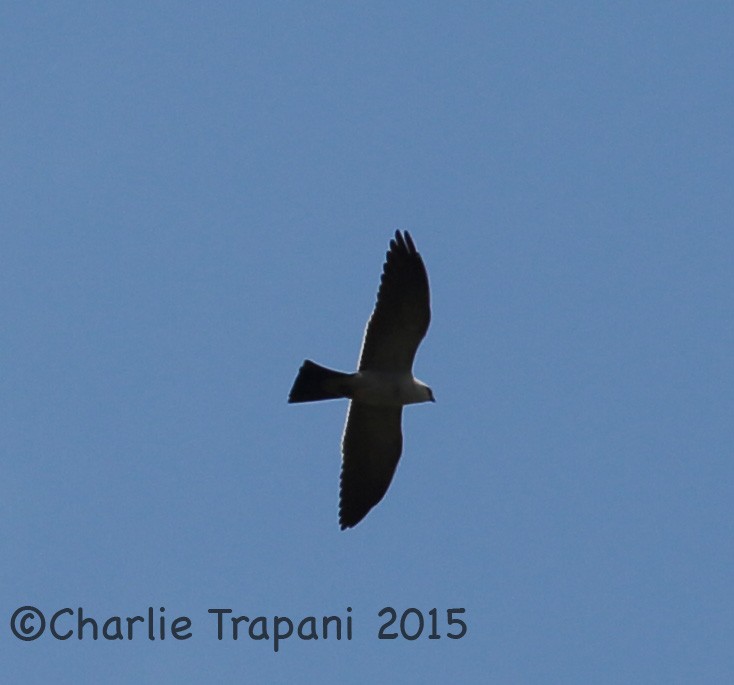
386,388
382,385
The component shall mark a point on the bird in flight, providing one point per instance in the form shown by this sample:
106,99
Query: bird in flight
384,382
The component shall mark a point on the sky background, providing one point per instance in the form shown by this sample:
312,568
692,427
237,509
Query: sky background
196,197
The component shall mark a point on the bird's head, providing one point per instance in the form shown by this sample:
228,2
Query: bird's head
425,394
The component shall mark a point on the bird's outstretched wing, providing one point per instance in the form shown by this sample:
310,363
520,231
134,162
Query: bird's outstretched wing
371,448
402,311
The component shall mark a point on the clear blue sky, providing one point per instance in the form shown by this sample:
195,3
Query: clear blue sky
196,197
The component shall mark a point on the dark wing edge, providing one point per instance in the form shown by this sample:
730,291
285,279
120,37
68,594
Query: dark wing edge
402,311
371,448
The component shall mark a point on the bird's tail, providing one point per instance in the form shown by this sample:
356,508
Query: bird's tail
316,382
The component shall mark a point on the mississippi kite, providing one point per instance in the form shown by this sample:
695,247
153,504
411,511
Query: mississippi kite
383,383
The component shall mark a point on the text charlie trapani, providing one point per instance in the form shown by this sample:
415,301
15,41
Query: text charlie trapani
30,623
